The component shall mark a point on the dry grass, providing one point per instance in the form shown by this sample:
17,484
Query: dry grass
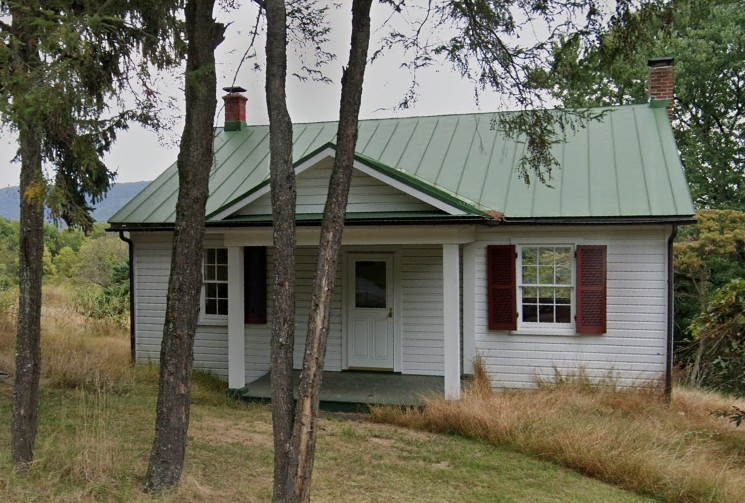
76,352
96,429
677,452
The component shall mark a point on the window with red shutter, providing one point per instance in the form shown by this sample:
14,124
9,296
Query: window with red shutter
591,289
254,284
502,303
545,286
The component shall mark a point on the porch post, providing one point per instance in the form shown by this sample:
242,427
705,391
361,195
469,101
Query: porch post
451,319
236,330
469,307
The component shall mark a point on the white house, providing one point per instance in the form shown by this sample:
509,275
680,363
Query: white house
447,253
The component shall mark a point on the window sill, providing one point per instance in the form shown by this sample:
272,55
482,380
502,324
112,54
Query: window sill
213,322
545,331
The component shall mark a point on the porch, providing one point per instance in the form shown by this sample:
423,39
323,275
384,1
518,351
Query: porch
396,307
352,390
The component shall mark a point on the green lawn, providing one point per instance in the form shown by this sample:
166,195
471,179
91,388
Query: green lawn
94,447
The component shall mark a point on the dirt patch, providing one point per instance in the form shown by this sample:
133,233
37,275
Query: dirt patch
386,442
226,431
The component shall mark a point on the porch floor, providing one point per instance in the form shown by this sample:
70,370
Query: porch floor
359,388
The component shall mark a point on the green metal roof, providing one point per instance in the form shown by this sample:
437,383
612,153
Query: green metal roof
624,165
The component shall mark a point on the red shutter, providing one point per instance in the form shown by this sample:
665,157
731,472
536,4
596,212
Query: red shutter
591,290
500,280
254,284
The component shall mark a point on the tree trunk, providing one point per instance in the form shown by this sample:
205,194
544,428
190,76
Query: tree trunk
28,337
282,179
184,285
332,228
31,250
696,375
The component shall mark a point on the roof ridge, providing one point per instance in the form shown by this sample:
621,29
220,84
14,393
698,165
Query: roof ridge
462,114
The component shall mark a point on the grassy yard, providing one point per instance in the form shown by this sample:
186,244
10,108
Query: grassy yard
631,438
97,420
93,446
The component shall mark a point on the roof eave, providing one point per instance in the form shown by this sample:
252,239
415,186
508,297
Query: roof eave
618,220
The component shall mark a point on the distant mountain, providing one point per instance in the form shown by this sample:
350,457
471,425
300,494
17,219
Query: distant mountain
117,197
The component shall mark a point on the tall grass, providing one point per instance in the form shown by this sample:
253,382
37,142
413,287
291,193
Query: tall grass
631,438
76,353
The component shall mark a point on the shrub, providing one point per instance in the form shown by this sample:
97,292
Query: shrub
720,337
99,303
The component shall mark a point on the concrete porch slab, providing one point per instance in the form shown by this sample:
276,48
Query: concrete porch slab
359,388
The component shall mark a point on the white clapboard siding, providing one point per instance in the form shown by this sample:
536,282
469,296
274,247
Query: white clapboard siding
366,194
152,262
257,336
420,284
633,349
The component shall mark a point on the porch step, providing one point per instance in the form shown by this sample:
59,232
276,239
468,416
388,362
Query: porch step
353,391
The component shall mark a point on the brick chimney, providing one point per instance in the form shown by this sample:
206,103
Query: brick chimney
660,82
235,108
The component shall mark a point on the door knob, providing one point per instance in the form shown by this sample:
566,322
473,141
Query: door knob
390,312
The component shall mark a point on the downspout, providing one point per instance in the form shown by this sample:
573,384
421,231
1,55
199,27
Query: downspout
670,315
130,246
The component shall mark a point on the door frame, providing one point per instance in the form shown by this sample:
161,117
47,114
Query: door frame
347,289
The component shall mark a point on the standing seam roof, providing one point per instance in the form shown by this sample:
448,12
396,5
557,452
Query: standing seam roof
601,159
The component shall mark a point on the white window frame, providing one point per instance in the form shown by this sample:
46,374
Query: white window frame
538,327
204,318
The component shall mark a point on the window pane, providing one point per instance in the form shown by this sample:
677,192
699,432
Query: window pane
530,295
546,295
209,273
210,290
563,314
563,295
546,275
546,314
530,275
222,256
222,307
222,291
210,306
530,313
563,276
529,256
370,284
546,256
564,257
210,256
222,273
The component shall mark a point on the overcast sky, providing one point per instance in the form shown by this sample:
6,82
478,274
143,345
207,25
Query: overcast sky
142,155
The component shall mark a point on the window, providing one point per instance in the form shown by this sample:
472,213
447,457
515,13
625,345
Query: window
215,285
215,282
548,287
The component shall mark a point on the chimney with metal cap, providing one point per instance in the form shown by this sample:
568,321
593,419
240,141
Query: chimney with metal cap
660,82
235,108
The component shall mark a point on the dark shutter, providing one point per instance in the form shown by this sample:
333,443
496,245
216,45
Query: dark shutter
254,286
500,280
591,290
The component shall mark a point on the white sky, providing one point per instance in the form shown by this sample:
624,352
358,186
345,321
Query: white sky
142,155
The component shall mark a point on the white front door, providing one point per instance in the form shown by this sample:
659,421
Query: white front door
370,316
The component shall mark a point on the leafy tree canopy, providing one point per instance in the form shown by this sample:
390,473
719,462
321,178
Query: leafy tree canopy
707,40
